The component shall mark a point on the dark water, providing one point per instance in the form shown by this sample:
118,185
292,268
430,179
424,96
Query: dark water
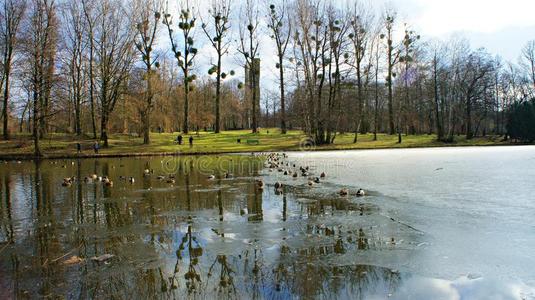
198,237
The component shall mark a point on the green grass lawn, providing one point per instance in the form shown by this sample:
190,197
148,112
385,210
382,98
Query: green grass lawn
59,145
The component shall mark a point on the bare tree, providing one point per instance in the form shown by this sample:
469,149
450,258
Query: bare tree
248,47
10,19
360,36
406,57
392,55
474,84
91,17
281,33
311,38
75,46
337,27
185,60
528,60
41,49
114,54
217,32
147,15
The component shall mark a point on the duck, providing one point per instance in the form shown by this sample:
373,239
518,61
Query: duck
67,181
294,175
170,180
322,175
310,183
71,179
260,184
316,180
344,192
160,177
285,172
361,193
211,177
131,180
228,175
108,182
278,185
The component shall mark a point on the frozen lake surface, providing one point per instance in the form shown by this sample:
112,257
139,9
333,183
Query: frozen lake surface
474,206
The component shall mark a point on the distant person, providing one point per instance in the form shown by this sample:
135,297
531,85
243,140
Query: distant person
191,141
160,129
96,147
78,147
179,139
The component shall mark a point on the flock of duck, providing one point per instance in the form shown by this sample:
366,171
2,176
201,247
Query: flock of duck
274,161
278,161
68,181
94,178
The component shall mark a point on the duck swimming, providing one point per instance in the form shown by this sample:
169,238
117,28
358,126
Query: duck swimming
260,184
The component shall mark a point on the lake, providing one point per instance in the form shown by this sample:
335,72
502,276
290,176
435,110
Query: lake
440,223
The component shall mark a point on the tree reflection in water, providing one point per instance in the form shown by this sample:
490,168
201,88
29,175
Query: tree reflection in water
192,237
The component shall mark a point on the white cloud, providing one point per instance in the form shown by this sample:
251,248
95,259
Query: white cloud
438,17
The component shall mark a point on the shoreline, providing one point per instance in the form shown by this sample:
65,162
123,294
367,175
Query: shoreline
53,156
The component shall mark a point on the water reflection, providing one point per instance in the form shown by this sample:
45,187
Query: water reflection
194,235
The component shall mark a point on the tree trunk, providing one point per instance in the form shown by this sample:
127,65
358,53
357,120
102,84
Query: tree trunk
283,104
5,113
218,91
469,134
440,130
390,92
36,125
104,129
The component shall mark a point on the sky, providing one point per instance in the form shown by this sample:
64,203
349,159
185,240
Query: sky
502,27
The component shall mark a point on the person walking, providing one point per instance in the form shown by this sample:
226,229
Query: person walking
96,147
191,141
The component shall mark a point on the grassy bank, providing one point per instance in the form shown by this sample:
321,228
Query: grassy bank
62,145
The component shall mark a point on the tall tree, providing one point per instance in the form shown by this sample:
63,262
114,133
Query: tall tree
41,49
280,32
406,57
248,47
473,84
75,46
360,36
528,61
217,31
185,60
392,56
147,15
90,20
10,18
114,53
